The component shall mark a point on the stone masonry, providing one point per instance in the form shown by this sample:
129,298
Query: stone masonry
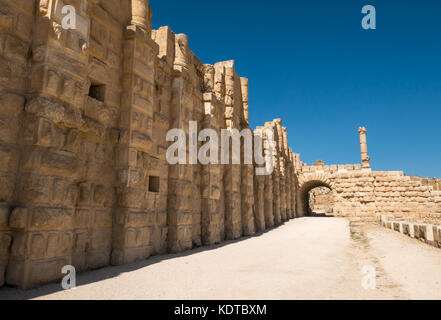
84,179
321,200
363,195
84,115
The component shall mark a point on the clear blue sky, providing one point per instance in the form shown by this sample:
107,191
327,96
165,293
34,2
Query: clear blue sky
310,63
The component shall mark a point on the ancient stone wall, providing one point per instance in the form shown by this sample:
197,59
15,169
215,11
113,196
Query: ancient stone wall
321,200
433,182
84,116
361,194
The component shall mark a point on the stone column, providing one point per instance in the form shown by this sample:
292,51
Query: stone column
282,169
141,14
268,184
276,174
181,177
259,194
297,162
181,51
137,163
287,173
212,220
293,184
225,90
247,170
208,78
365,160
244,85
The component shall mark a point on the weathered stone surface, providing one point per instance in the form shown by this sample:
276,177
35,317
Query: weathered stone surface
84,178
18,218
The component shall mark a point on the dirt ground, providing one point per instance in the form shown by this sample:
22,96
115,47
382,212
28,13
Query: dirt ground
307,258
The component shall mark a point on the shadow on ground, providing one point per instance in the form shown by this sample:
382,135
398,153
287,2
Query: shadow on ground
320,215
91,276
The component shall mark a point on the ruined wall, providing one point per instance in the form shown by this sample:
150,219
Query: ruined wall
361,194
84,116
16,20
433,182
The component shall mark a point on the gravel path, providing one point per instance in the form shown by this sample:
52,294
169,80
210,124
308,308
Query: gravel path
307,258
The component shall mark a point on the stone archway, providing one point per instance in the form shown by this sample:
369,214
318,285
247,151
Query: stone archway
308,182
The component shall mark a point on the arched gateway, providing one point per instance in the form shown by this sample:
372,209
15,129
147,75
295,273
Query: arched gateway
309,181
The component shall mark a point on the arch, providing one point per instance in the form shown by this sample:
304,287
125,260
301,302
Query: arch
306,184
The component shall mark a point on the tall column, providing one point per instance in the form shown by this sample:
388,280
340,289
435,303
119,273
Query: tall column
281,170
297,162
365,160
287,173
247,170
244,85
293,183
276,174
259,192
141,14
142,178
225,90
269,182
212,220
181,184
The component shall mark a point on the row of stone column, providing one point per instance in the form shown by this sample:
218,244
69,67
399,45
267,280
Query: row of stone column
92,185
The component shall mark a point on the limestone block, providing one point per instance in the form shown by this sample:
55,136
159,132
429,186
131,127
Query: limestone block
11,104
19,218
405,227
100,112
60,163
159,240
2,275
81,240
8,129
12,75
98,259
419,231
101,239
38,246
16,49
5,243
138,219
50,219
436,236
4,216
6,16
429,235
102,196
45,271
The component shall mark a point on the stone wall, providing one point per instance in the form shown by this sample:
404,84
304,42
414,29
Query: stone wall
84,116
433,182
321,200
361,194
16,35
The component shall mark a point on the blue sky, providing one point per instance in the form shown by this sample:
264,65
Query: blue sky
310,63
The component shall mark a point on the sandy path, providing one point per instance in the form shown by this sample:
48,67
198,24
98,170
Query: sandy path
308,258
